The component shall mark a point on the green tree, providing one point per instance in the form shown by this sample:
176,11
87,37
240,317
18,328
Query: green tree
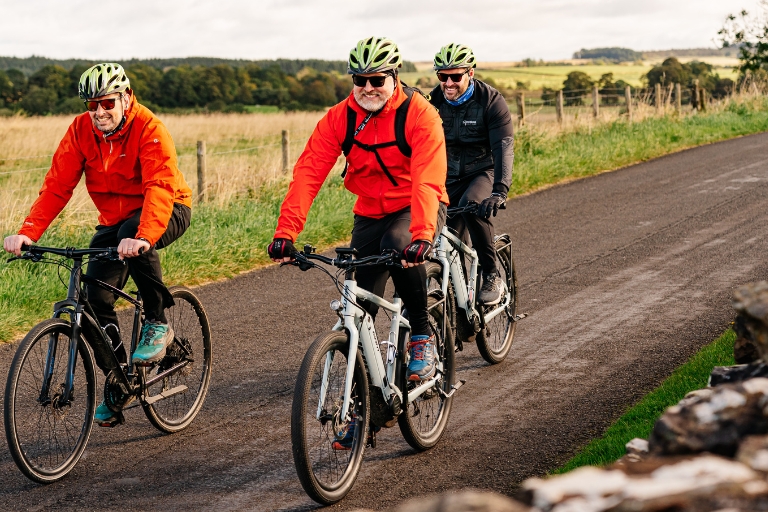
39,101
54,78
179,88
749,33
576,84
6,89
146,83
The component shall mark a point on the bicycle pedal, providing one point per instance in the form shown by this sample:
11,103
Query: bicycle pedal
112,424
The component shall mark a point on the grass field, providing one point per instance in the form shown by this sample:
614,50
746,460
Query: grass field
537,77
230,233
638,421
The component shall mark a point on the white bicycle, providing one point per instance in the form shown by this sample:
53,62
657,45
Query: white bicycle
350,383
493,327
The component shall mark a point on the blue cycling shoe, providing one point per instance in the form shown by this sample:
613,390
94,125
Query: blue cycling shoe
422,352
346,442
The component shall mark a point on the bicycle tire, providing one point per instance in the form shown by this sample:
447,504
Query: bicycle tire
495,340
327,474
191,343
423,421
47,441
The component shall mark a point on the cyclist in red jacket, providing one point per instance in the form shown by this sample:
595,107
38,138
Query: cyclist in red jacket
399,179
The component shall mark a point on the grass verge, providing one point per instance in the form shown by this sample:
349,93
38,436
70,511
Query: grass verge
224,241
638,421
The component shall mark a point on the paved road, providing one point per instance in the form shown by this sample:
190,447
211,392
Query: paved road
625,275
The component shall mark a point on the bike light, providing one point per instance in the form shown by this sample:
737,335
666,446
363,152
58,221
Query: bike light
336,305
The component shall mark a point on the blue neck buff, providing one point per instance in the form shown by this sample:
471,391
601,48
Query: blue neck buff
464,97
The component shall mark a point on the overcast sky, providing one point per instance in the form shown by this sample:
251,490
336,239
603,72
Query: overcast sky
497,30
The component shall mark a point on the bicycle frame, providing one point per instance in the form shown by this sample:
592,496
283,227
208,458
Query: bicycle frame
362,336
450,249
83,320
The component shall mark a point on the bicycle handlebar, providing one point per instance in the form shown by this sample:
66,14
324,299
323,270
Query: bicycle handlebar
471,207
37,251
302,260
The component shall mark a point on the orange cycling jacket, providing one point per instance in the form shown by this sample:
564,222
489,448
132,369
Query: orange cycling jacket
420,178
132,169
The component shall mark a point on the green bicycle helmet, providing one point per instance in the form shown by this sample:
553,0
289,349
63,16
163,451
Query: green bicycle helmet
102,79
453,56
374,55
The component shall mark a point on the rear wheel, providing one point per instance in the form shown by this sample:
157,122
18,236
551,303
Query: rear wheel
424,419
495,340
328,448
182,392
46,431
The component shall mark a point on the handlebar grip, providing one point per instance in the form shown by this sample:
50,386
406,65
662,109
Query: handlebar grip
25,247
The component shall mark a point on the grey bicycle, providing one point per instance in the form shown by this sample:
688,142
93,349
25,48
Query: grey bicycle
350,383
492,327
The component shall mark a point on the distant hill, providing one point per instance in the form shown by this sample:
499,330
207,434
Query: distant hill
692,52
613,54
29,65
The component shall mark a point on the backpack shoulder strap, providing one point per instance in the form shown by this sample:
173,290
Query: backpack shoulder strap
346,146
401,114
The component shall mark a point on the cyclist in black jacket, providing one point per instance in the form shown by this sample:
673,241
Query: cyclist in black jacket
479,140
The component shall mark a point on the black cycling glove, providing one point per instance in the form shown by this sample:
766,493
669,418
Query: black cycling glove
491,205
417,251
281,248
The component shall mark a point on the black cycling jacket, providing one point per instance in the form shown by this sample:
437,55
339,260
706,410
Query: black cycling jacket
478,135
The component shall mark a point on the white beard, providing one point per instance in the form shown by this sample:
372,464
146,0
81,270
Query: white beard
371,103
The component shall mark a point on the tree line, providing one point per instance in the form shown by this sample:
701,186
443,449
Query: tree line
578,84
191,85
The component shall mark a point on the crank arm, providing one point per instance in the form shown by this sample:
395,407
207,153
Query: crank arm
149,400
454,388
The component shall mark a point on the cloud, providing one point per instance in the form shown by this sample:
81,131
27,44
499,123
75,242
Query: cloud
496,29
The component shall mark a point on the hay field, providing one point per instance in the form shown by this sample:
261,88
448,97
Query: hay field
243,154
536,77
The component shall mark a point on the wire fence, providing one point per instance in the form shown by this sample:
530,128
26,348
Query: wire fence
548,104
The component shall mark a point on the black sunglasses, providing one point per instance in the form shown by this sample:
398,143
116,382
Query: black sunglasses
108,104
376,81
455,77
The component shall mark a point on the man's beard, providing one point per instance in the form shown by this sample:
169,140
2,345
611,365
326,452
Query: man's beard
371,103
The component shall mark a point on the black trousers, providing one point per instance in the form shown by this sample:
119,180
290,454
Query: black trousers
475,188
373,236
145,269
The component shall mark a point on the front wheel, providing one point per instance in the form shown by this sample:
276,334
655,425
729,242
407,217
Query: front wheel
328,448
47,431
180,394
495,340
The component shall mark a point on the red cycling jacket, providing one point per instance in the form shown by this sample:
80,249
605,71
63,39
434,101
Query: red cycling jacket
132,169
420,178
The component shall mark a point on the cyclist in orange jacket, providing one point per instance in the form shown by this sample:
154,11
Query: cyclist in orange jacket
396,165
129,162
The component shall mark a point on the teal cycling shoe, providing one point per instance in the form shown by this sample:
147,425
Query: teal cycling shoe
154,339
104,417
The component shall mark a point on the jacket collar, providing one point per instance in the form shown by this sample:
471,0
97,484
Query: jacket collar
397,99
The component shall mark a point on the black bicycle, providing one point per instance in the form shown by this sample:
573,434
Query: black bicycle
50,395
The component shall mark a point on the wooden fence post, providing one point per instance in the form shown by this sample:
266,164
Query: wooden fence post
284,143
696,95
595,101
668,96
678,98
201,192
559,106
657,97
703,99
520,109
628,98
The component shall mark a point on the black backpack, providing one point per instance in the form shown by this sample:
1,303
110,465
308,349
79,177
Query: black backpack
400,116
